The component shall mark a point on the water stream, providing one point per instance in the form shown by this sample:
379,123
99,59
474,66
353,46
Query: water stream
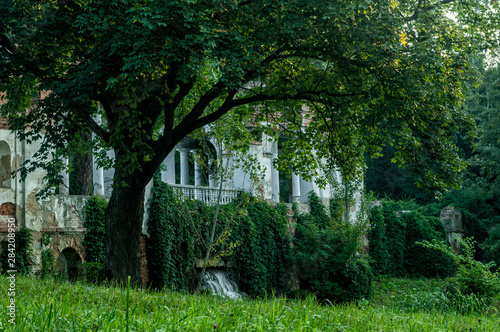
219,283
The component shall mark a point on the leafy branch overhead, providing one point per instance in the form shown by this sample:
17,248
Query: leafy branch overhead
368,72
341,78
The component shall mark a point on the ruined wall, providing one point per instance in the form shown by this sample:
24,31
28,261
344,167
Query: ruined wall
60,215
452,222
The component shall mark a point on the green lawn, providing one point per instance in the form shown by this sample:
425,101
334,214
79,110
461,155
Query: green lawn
396,305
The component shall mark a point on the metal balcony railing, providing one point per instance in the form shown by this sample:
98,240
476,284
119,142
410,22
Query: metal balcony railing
208,195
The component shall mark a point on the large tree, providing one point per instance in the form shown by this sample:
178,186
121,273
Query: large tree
366,72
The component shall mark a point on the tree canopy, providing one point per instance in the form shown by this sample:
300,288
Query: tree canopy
361,74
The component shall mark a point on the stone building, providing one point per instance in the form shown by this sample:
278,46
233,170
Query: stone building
60,216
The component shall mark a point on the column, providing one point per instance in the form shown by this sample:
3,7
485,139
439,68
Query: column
64,185
97,172
98,178
295,188
184,166
197,173
275,176
211,177
168,176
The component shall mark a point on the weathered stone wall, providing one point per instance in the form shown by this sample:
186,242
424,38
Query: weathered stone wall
60,217
452,221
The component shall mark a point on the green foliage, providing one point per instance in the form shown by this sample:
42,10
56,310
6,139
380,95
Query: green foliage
474,283
94,221
327,256
24,259
264,255
475,228
253,234
318,211
379,251
48,258
171,244
392,241
421,261
329,262
492,244
92,272
181,65
395,234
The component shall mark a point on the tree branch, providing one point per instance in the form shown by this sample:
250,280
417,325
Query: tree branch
420,9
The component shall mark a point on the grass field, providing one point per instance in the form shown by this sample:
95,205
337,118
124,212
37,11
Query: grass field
396,305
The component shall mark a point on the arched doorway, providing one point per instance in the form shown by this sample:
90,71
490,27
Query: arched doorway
69,263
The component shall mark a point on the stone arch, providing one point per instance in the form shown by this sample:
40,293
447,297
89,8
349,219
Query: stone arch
5,168
69,264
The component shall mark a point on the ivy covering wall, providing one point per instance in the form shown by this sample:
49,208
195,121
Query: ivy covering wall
392,244
24,258
328,255
95,222
251,233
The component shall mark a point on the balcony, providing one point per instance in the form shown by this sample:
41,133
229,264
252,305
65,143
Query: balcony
208,195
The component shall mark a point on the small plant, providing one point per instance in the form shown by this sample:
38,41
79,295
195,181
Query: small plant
48,259
474,285
93,272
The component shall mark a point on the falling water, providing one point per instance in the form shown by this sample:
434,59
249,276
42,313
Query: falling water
218,282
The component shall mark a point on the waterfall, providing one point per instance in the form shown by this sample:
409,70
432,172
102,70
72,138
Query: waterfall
218,282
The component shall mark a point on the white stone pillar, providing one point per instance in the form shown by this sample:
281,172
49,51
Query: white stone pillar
184,166
295,188
168,176
64,185
97,172
98,178
197,173
211,178
275,176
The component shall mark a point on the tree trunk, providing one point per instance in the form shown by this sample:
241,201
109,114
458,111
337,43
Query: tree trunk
124,218
85,168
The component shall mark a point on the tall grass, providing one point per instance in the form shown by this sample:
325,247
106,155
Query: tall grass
47,305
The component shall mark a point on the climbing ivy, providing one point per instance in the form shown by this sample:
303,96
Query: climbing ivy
95,222
252,234
24,259
421,261
264,255
327,255
171,244
395,234
393,240
48,258
378,242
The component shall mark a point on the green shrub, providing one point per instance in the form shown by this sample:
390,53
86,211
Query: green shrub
329,262
48,258
170,247
318,211
378,246
474,286
421,261
474,277
491,246
93,272
395,235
